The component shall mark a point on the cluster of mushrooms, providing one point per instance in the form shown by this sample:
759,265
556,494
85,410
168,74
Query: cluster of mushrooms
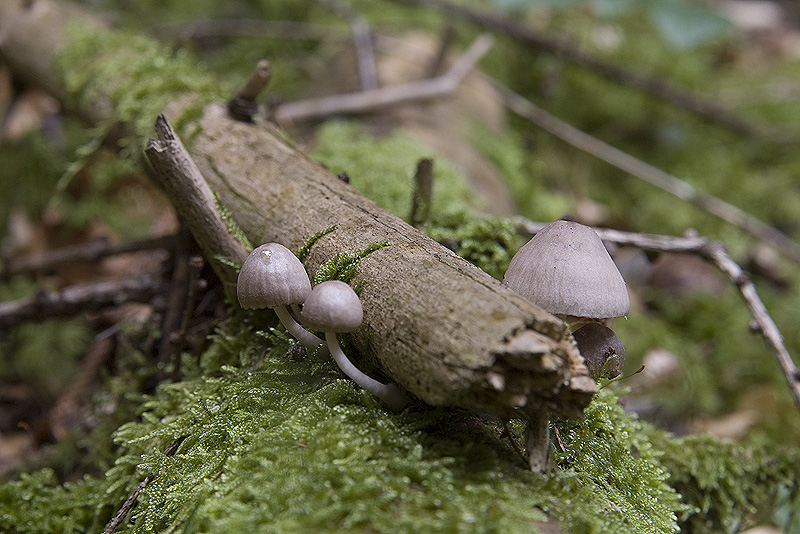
566,270
273,277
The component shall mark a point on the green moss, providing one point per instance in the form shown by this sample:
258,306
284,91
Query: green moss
486,241
273,443
382,169
287,445
731,486
136,75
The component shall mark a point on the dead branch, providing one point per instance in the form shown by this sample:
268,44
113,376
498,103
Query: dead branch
78,299
194,201
365,101
84,253
434,323
676,95
362,39
715,253
646,172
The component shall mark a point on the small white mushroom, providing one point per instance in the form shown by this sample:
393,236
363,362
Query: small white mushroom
334,307
272,277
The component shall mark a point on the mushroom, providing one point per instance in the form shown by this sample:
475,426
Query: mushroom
272,277
566,269
601,349
334,307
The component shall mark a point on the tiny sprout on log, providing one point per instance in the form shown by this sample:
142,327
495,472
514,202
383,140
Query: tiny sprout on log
334,307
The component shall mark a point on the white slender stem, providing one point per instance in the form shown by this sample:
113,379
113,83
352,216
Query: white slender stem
306,338
537,441
390,394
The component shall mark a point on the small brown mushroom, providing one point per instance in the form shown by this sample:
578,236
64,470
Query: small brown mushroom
601,349
334,307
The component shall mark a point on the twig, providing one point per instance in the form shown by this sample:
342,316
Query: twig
362,39
193,199
89,253
243,105
445,44
678,96
364,101
646,172
714,252
119,517
205,30
65,411
176,296
423,192
78,299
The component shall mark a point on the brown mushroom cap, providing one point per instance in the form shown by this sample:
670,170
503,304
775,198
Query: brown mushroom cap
333,306
566,269
598,344
272,276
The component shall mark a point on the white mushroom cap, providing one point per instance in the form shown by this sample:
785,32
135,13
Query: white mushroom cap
333,306
566,269
272,276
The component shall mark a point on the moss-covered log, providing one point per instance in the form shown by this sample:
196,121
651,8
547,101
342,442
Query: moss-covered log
440,327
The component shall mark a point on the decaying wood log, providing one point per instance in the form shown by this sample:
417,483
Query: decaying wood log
435,324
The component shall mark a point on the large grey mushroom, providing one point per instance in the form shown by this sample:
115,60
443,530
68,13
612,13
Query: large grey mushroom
272,277
334,307
566,269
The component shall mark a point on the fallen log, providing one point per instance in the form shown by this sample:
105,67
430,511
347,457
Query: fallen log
433,323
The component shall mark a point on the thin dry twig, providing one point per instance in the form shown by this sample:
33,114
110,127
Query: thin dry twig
364,101
88,253
362,40
713,252
676,95
200,31
119,517
646,172
79,299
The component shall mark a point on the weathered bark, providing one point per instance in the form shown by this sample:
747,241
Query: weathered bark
435,324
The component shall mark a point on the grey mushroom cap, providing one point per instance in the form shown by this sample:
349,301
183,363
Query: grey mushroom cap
333,306
272,276
566,269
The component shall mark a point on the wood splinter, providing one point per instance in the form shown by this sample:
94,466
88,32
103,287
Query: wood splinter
243,106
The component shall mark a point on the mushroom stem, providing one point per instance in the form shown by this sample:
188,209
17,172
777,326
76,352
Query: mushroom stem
390,394
537,441
306,338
